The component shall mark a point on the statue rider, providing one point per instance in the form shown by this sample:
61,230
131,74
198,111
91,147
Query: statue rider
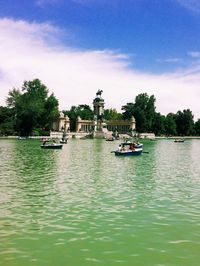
99,92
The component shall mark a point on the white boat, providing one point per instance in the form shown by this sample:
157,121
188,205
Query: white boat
129,149
179,140
49,145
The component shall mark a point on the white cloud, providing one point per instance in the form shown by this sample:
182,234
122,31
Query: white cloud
43,3
170,60
193,5
194,54
29,51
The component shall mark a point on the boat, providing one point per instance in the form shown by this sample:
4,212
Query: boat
53,145
132,143
110,139
179,140
63,141
22,138
129,149
44,139
128,152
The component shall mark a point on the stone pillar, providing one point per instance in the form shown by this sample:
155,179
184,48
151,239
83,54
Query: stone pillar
78,124
98,105
133,123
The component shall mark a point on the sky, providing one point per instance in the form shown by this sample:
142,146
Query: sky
123,47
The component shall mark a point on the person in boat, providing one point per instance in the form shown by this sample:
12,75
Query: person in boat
123,148
132,147
54,142
119,147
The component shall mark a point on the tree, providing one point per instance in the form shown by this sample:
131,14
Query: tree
83,111
112,114
51,112
170,124
6,121
35,111
13,97
143,110
159,124
128,110
197,127
185,122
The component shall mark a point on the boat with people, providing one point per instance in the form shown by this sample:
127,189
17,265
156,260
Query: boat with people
63,141
179,140
110,138
51,145
129,149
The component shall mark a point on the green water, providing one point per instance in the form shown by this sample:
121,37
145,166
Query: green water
84,206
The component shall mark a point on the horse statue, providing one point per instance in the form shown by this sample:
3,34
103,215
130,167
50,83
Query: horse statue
99,92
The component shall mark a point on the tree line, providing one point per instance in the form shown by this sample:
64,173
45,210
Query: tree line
31,111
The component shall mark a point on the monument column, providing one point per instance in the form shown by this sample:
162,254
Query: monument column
98,105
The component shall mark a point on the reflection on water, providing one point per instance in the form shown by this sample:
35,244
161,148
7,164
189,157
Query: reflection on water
84,206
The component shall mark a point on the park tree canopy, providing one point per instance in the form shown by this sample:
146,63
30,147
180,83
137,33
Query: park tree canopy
31,111
83,111
143,110
35,110
112,114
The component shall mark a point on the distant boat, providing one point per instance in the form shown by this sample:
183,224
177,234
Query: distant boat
53,145
110,139
63,141
179,140
22,138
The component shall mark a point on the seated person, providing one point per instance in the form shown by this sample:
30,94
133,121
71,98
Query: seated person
132,147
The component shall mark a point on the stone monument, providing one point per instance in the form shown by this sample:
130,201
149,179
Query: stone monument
98,105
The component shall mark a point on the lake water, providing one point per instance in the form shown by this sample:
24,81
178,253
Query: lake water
83,205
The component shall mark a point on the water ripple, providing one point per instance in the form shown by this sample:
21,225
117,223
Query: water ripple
84,205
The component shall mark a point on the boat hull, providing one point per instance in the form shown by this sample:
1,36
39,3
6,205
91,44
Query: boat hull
52,147
63,141
179,140
128,153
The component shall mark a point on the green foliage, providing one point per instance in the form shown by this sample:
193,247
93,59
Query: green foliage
112,114
7,128
32,111
159,124
170,124
147,120
33,107
128,110
6,121
83,111
13,97
143,110
184,123
197,127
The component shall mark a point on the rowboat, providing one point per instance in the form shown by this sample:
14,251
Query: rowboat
51,146
54,146
179,140
129,149
128,152
63,141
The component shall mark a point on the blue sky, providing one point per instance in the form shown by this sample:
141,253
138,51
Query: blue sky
156,42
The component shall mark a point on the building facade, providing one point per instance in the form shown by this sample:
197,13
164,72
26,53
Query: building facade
98,126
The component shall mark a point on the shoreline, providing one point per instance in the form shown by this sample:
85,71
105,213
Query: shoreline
156,137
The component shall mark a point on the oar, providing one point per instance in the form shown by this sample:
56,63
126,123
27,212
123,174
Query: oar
145,152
